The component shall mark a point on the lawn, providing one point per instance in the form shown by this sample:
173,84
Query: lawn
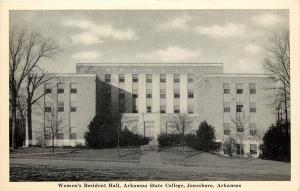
104,164
125,153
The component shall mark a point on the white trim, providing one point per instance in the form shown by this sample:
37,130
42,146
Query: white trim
72,75
236,75
152,64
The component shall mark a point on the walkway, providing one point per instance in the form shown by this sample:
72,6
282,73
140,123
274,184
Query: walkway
151,157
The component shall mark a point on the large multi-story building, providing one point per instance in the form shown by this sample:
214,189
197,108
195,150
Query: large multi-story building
157,98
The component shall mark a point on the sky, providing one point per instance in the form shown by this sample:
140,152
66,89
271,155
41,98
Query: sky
236,38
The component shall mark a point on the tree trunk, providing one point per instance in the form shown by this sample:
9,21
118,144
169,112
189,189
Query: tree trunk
13,122
53,145
29,123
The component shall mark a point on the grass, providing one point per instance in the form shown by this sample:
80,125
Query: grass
95,165
125,153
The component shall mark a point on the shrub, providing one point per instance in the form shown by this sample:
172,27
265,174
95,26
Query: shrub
165,140
103,133
128,138
191,140
277,143
206,138
229,146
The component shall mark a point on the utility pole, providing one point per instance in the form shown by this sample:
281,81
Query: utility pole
119,140
166,128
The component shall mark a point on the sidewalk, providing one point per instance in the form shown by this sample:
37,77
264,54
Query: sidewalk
151,157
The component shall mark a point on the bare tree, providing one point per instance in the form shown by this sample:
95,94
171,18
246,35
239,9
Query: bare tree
277,61
52,130
34,81
241,125
26,50
180,121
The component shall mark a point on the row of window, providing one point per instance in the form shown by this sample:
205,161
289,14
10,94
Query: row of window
239,107
61,109
162,109
135,78
240,149
252,129
239,88
60,136
149,94
60,88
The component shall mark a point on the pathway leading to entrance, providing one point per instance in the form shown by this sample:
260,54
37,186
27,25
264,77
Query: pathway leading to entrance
151,157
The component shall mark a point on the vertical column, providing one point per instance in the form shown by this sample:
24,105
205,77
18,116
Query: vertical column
183,93
142,93
114,93
169,93
128,93
155,93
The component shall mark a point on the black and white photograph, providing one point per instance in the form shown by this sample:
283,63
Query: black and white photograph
119,95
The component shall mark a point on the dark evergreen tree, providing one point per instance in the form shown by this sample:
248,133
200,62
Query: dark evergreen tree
103,133
277,143
205,137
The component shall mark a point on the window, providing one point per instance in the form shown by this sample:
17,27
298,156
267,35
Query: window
60,106
176,109
149,93
190,93
135,93
73,89
252,88
190,109
121,78
60,88
47,109
163,78
226,88
253,130
134,109
226,128
162,108
59,136
190,78
226,107
162,93
253,149
239,107
176,93
252,107
240,149
48,88
73,135
48,137
107,77
239,88
135,78
48,91
73,109
148,78
176,78
148,109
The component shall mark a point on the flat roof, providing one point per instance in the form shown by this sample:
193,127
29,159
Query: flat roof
237,75
71,75
152,64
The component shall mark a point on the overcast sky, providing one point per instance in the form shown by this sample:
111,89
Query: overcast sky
237,38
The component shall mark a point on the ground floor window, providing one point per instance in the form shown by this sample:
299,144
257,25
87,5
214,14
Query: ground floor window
240,149
59,136
253,149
